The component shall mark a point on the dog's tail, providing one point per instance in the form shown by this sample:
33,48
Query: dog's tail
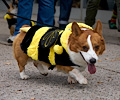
25,28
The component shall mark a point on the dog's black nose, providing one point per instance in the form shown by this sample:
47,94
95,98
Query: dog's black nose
92,60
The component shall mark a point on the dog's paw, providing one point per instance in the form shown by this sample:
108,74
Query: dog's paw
45,74
71,80
24,77
83,81
42,70
78,76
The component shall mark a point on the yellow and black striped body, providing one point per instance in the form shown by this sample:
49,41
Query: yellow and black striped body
40,44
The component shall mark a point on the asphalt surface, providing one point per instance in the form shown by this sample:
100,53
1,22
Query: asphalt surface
103,85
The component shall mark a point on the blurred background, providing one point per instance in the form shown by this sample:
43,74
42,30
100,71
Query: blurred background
78,9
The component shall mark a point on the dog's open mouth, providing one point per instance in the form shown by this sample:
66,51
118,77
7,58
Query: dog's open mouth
91,68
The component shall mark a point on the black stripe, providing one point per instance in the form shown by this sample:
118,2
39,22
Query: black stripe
63,59
28,37
11,22
43,53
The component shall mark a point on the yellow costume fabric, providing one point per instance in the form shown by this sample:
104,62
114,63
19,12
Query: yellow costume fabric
33,48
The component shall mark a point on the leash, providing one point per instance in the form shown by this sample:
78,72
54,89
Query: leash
4,1
32,20
6,4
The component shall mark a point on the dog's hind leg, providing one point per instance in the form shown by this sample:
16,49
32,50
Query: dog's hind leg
21,63
19,55
42,67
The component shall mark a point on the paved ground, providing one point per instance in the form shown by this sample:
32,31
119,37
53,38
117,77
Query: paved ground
104,85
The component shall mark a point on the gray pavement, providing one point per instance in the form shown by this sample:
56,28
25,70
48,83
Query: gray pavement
103,85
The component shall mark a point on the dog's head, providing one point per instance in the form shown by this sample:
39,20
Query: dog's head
86,43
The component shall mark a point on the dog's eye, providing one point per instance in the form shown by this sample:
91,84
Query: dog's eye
96,47
85,48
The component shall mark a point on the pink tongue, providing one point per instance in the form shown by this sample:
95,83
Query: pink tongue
91,68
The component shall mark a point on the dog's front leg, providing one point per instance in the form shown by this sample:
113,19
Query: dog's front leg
71,80
75,73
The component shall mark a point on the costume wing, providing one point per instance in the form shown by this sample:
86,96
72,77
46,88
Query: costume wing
49,38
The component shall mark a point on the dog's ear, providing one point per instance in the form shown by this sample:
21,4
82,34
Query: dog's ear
75,29
98,27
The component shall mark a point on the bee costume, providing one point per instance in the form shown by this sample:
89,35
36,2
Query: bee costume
48,44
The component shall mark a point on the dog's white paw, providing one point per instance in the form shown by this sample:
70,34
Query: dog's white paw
83,81
78,76
71,80
23,75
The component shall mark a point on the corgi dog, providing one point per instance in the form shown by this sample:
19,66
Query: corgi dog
11,20
13,6
76,47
